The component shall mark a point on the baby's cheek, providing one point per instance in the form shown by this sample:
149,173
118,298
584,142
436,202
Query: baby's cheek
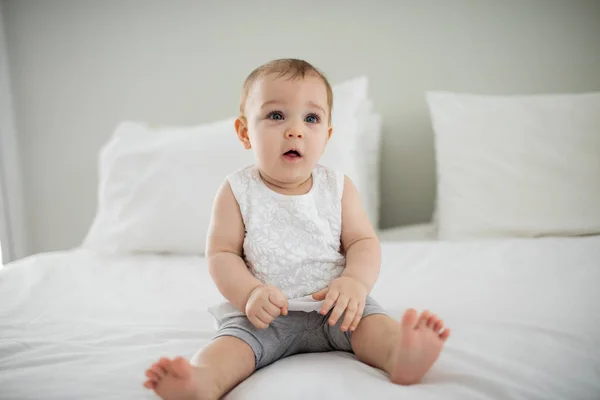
321,143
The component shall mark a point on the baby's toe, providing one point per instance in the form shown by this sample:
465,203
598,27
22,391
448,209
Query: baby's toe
437,327
153,376
409,319
444,335
150,384
181,368
164,362
423,318
161,366
157,369
432,320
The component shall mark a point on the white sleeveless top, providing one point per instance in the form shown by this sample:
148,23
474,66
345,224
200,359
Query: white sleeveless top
292,242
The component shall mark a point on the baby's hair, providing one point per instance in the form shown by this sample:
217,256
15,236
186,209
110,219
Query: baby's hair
293,68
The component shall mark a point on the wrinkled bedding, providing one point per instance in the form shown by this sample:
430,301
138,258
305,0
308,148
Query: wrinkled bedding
524,314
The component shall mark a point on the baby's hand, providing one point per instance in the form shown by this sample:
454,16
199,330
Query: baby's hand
347,294
265,303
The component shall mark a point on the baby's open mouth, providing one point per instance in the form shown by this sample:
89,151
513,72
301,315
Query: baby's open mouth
292,154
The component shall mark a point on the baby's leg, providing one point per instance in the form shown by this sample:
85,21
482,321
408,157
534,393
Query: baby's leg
406,350
214,371
237,351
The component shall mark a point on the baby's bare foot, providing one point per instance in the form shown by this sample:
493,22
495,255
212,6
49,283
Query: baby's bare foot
177,380
156,372
419,346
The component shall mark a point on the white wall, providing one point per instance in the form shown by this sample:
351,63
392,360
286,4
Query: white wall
12,224
79,67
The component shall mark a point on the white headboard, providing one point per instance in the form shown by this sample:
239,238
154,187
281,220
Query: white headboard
78,68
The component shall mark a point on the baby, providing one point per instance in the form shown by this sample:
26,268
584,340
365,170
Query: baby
294,254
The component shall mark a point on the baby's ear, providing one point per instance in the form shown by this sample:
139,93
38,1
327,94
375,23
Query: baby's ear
329,132
241,128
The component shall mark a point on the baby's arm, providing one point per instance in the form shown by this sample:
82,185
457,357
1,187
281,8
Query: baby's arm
224,248
260,302
363,257
363,251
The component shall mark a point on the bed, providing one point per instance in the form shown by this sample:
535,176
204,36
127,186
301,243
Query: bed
511,261
525,317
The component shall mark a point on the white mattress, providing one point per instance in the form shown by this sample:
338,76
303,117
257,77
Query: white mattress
525,317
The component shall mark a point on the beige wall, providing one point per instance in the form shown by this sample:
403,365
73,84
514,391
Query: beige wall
79,67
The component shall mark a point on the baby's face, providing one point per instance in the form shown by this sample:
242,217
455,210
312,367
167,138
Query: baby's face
288,128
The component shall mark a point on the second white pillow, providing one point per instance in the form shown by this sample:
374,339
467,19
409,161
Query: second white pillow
516,166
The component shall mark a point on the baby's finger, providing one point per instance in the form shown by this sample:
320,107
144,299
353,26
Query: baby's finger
357,317
320,295
277,298
264,316
330,300
349,315
272,310
284,309
340,306
258,323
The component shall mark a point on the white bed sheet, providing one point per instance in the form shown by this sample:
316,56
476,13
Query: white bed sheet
525,317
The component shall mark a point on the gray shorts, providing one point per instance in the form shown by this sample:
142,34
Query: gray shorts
295,333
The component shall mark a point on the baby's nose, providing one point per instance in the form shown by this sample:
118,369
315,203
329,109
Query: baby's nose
293,133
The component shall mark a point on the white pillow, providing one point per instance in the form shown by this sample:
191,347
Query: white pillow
516,166
370,133
352,101
362,158
157,185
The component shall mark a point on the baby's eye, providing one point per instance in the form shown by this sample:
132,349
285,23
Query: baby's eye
312,118
276,115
